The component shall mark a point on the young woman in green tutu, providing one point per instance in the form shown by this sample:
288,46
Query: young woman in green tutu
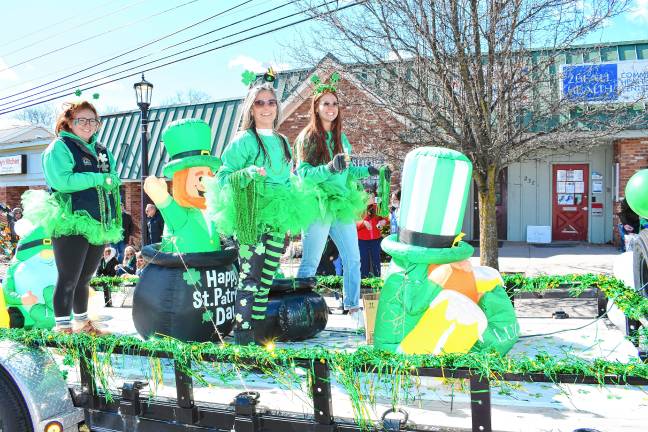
323,159
82,214
256,197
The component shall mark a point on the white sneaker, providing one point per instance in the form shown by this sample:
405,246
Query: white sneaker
357,319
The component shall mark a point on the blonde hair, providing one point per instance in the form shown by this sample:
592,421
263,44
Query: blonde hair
247,119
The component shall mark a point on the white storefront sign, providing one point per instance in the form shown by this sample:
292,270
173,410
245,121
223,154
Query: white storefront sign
13,164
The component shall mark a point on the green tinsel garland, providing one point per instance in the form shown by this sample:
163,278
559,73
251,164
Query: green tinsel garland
383,193
112,282
483,364
629,301
245,203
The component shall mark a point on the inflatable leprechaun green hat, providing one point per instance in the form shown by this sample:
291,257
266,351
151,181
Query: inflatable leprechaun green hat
434,192
188,142
32,244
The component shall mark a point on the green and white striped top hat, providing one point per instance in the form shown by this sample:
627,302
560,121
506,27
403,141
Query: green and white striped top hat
434,192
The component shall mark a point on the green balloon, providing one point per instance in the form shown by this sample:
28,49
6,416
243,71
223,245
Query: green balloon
636,193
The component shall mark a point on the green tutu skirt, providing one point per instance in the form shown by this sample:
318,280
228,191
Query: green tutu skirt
53,211
345,208
275,208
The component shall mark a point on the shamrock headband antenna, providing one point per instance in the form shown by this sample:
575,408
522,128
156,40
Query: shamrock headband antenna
319,87
79,92
248,77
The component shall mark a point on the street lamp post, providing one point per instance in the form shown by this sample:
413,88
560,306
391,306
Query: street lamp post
143,95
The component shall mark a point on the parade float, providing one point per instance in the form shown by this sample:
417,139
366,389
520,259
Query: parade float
471,374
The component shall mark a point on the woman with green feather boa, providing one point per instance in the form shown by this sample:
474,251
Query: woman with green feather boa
83,212
255,197
323,155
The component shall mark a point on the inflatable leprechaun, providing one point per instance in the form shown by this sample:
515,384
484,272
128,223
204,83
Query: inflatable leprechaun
31,278
188,286
434,301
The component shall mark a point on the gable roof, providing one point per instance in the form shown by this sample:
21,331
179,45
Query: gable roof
22,132
121,133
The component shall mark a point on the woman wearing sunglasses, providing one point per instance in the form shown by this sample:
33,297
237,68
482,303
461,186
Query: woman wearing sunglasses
256,197
82,214
323,159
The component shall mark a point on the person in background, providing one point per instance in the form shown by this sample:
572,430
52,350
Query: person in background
108,263
154,224
327,263
369,237
128,265
13,217
394,209
139,264
629,223
127,226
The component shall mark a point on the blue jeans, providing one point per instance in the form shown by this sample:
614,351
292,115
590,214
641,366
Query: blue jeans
345,237
622,233
369,258
119,247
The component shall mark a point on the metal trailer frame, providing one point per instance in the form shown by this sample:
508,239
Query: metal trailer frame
245,414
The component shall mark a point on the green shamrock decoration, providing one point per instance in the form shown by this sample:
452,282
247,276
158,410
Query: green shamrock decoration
259,249
192,277
95,96
245,268
77,92
207,316
245,252
248,77
320,87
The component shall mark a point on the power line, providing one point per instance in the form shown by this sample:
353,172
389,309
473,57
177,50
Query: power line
60,92
188,57
56,24
85,63
110,59
67,30
99,34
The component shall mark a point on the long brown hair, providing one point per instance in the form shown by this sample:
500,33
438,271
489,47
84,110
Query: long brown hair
64,120
312,139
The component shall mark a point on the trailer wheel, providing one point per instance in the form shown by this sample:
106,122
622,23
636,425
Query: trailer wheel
14,415
640,265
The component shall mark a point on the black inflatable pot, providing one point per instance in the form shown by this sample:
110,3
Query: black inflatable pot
295,312
172,301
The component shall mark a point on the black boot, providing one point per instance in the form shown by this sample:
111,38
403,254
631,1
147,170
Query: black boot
260,333
243,337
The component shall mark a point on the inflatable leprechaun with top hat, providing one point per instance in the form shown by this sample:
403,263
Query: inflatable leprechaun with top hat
188,286
434,301
31,278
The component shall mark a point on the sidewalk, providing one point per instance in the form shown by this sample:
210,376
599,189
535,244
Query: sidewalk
521,257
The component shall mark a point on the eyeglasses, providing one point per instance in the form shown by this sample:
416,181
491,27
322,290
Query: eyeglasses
262,102
85,121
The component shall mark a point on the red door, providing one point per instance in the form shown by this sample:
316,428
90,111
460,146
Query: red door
570,202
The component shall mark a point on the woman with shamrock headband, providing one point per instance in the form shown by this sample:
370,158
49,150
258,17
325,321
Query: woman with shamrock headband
322,159
82,214
255,197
